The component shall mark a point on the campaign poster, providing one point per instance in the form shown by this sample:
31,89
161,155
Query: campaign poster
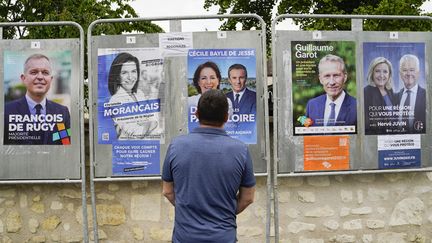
394,88
326,153
399,151
324,87
135,158
234,72
37,97
129,95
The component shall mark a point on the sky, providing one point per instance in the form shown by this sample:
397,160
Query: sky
170,8
165,8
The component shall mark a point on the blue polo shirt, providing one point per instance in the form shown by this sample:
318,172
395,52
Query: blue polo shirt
207,168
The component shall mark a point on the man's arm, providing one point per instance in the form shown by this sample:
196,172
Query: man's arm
245,197
168,191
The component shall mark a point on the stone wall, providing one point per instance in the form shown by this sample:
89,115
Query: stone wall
40,213
380,208
127,212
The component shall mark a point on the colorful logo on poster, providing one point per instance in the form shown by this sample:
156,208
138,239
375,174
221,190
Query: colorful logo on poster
305,121
63,134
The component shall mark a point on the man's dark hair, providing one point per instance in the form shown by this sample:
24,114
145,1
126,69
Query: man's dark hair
198,70
237,66
212,108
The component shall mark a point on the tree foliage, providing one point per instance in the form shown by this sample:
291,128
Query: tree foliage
84,12
81,11
265,8
361,7
261,8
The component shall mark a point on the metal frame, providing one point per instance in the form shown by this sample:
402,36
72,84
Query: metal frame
265,97
276,100
81,112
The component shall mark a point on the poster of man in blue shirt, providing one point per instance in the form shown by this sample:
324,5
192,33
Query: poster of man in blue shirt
30,117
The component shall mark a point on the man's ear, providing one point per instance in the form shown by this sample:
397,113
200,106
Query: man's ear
226,117
22,77
345,77
197,114
319,78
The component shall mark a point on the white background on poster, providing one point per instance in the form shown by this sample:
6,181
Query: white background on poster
397,142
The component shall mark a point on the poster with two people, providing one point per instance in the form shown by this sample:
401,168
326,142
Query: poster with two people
234,72
394,88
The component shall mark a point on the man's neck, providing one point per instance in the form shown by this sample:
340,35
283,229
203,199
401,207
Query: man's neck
241,91
37,99
211,126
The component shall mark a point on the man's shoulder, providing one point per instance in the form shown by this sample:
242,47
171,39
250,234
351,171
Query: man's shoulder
349,97
196,136
56,105
250,92
14,104
370,88
230,94
317,100
421,90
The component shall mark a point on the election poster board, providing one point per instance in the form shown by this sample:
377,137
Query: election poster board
391,71
129,105
37,97
208,69
324,95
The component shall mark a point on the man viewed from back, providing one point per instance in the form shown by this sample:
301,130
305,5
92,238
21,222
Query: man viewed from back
33,119
336,107
242,98
208,176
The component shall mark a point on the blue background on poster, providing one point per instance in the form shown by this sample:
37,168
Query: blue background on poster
105,124
244,131
392,159
393,51
136,158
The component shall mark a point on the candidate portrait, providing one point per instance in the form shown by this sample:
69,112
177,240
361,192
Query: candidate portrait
335,107
412,97
379,95
242,98
33,119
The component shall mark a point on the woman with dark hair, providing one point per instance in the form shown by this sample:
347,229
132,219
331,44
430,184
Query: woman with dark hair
207,76
378,93
123,86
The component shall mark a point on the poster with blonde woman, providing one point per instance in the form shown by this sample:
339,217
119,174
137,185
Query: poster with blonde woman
394,88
